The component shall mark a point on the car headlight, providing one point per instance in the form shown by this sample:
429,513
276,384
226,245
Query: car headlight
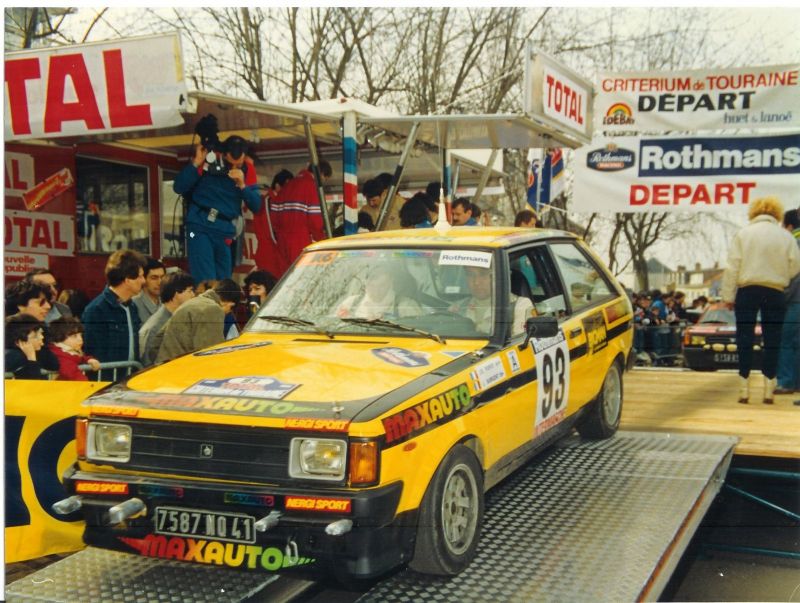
317,458
108,442
697,340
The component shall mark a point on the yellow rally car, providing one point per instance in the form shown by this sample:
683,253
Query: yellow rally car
388,381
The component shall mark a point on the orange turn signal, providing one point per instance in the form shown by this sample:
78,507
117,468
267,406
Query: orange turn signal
81,427
363,462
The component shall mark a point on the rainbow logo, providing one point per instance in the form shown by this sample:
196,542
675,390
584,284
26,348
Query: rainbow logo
618,114
620,109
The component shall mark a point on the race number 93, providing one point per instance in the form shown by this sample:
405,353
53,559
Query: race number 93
552,362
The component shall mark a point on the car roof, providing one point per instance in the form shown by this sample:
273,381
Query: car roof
457,236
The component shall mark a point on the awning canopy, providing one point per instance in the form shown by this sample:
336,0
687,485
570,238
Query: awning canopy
266,125
476,131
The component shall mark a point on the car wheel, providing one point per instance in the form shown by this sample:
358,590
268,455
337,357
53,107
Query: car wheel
450,516
605,411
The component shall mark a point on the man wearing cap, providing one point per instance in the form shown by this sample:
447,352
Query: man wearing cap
216,201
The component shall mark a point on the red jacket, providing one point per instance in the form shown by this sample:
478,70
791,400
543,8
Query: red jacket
296,216
267,256
68,364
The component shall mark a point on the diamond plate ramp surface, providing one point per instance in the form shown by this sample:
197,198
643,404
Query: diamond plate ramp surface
590,521
102,576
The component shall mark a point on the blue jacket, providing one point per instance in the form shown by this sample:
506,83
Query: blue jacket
107,334
218,192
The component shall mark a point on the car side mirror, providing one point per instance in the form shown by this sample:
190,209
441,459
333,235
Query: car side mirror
539,327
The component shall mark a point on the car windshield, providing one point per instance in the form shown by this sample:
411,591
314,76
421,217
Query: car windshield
411,292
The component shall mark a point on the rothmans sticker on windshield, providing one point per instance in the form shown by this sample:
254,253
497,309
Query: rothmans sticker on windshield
250,387
479,259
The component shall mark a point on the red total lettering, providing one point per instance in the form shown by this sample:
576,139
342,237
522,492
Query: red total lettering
58,242
17,73
57,110
120,114
41,235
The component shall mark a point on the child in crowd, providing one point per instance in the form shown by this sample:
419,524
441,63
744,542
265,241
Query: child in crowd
24,341
66,343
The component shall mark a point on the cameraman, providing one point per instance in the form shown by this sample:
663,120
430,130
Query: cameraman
216,200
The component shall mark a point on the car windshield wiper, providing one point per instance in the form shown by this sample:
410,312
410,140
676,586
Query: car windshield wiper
380,322
297,322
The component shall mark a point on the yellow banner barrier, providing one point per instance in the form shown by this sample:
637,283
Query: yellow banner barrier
40,445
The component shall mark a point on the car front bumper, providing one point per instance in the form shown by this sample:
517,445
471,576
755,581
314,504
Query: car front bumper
300,541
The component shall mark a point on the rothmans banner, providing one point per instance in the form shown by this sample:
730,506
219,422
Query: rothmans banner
749,97
646,174
128,84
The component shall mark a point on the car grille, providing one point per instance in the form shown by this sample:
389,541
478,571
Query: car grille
721,339
214,451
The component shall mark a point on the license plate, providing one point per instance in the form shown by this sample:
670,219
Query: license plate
726,358
229,527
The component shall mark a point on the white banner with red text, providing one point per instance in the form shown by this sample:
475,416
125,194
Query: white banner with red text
94,88
29,232
556,95
708,99
646,174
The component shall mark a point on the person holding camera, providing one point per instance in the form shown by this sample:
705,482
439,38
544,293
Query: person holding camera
216,186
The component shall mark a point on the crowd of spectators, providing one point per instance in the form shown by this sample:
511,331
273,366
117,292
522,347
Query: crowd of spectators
145,313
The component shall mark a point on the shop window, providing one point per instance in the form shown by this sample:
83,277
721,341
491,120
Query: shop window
173,240
113,209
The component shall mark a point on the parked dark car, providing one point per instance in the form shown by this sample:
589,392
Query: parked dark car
711,343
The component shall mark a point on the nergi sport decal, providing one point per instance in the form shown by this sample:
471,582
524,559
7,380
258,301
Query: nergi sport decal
435,411
252,387
246,556
401,357
596,333
233,348
227,405
552,362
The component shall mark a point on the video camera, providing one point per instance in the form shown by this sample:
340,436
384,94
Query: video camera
208,131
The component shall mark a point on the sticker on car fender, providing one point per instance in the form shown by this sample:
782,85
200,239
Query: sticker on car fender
488,373
596,333
435,411
252,387
553,373
513,361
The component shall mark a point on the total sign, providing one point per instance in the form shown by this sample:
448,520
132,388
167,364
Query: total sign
94,88
557,95
49,234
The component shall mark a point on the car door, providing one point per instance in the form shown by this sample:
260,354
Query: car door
587,292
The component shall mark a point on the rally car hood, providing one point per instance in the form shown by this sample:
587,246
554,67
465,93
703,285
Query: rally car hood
259,375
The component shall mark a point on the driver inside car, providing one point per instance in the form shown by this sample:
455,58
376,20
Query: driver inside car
380,299
478,306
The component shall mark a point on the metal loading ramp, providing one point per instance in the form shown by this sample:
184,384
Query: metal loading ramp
590,521
587,521
98,576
